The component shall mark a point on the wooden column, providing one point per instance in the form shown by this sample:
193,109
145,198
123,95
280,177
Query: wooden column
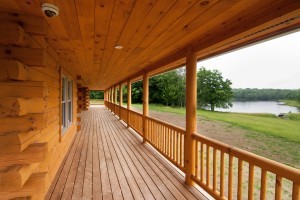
120,95
109,94
115,98
120,99
191,118
145,103
128,101
116,95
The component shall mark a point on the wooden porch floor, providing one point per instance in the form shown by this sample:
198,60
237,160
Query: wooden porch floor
108,161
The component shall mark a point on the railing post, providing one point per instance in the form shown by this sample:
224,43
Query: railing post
145,103
128,101
191,118
120,99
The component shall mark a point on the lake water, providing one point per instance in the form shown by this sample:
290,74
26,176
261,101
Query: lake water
273,107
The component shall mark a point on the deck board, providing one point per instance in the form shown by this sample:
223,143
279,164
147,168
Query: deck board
108,161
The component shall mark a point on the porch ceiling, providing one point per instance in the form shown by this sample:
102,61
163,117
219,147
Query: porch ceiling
153,33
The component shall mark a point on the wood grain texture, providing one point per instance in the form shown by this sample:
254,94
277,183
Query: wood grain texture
114,157
153,33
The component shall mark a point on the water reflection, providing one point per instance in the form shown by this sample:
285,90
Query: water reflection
273,107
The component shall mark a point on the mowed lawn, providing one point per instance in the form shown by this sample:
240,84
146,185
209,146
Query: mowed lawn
269,124
96,101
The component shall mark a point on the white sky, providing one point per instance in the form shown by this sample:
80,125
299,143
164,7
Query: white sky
271,64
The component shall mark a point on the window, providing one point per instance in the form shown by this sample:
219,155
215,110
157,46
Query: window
66,103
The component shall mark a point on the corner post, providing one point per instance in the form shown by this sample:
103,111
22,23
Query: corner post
120,99
145,103
128,101
191,118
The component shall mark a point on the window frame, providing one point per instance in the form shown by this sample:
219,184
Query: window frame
66,103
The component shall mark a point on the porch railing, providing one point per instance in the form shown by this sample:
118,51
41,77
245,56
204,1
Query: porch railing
223,171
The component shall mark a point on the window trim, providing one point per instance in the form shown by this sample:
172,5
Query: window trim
66,103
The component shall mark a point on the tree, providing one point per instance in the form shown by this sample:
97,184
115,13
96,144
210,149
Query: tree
213,91
137,92
168,88
96,94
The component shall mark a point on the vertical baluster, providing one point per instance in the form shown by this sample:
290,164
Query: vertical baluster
207,166
165,140
160,133
156,132
180,149
162,138
296,191
263,187
251,182
222,175
240,180
151,127
174,143
157,136
214,169
230,173
202,163
170,143
278,190
176,147
196,159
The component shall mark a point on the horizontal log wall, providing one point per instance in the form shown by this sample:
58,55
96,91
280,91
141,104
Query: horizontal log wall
31,145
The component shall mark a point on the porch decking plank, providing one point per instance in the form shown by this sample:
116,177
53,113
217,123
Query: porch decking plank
139,174
68,189
63,171
114,182
108,161
162,171
88,173
78,187
97,185
159,190
137,194
106,188
126,192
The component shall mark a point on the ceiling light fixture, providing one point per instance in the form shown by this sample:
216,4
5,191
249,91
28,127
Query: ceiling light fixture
118,46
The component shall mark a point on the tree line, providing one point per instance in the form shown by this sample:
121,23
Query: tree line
212,90
169,89
250,94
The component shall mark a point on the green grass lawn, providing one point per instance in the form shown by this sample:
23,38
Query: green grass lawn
269,124
96,101
291,103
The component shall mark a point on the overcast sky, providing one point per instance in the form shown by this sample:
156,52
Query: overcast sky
271,64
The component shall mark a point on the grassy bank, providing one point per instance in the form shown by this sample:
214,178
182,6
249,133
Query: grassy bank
268,124
291,103
96,101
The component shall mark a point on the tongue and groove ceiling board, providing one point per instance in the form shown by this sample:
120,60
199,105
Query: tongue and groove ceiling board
153,33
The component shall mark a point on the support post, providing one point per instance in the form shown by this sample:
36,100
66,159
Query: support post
108,91
128,101
110,95
191,118
145,103
116,94
120,99
115,98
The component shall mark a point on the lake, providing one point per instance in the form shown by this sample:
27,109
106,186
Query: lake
273,107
